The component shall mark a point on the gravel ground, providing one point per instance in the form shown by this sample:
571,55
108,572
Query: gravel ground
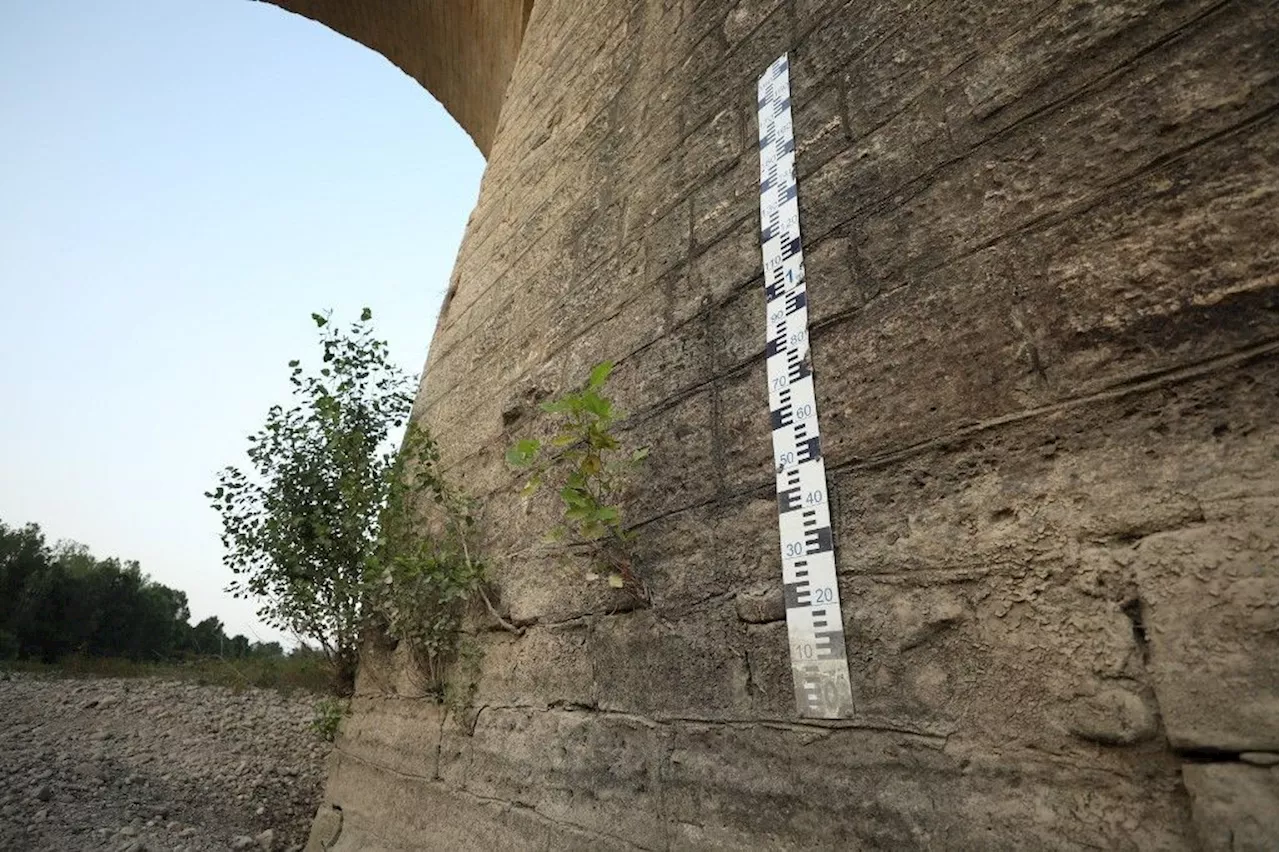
154,765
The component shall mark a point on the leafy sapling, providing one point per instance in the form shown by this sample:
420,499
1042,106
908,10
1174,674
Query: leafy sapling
328,716
300,523
333,530
588,467
425,568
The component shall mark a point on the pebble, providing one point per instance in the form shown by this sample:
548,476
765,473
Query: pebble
211,771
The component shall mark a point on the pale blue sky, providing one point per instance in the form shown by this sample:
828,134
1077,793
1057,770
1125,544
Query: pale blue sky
181,185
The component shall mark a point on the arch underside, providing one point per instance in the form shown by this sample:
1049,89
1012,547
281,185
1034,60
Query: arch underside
462,51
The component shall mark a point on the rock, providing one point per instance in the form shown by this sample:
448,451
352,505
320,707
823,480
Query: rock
266,840
761,606
1233,806
1112,716
242,841
1260,758
112,778
1212,666
325,828
926,615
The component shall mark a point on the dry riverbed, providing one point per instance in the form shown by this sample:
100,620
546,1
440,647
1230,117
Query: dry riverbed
154,765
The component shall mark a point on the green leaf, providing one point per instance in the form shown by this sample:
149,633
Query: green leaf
577,513
607,514
564,439
596,404
523,452
531,486
558,406
600,374
575,497
366,315
640,454
319,320
295,362
603,440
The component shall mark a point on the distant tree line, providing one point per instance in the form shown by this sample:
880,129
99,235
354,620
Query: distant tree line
59,600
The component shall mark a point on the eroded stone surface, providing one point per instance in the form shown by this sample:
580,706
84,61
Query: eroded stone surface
1040,243
1234,806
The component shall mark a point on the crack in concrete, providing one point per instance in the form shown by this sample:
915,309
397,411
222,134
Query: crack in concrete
823,728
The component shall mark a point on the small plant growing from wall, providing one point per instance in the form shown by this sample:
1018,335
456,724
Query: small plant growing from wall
425,570
588,467
327,717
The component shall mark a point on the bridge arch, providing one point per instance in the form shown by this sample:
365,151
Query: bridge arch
461,51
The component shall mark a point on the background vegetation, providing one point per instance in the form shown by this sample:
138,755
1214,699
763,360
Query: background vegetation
60,600
332,529
64,610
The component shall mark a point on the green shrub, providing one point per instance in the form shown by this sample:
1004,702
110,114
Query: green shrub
329,713
425,571
588,467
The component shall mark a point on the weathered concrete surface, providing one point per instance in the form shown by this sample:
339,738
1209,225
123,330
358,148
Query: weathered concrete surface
1230,802
1041,244
462,51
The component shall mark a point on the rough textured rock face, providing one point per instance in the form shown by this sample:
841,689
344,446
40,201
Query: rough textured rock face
1041,251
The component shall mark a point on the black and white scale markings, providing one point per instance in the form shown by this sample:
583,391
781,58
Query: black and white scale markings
814,625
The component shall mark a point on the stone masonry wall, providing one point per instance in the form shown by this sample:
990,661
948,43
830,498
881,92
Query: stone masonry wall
1041,252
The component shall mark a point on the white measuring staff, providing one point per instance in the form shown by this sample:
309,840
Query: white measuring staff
814,626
